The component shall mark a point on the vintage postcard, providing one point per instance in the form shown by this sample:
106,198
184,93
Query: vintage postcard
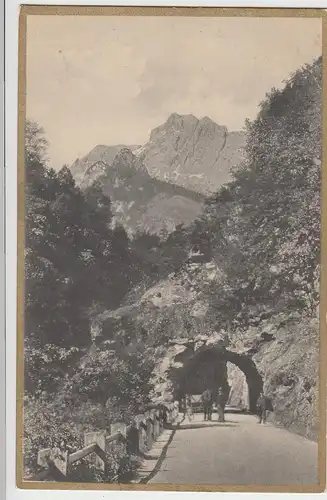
171,305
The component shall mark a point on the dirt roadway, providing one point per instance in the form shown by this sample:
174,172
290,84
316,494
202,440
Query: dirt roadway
238,452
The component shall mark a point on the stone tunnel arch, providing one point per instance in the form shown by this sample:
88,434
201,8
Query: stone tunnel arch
208,368
252,376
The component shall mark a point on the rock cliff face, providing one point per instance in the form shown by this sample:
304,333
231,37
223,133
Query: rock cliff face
175,307
285,351
196,154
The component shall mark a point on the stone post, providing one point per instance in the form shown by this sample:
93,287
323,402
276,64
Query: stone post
100,455
169,415
150,428
118,427
140,423
53,457
132,437
156,429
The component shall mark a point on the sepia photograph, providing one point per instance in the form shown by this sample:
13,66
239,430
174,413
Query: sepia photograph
170,235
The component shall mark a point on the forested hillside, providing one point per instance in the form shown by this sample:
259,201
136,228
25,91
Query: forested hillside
264,226
76,264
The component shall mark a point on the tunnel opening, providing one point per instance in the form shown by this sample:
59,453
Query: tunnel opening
209,369
239,390
253,378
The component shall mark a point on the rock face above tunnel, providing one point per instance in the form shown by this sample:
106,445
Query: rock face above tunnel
279,346
190,366
172,309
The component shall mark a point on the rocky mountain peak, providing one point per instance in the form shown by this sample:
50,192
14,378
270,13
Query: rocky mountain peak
87,169
162,183
176,119
125,160
195,153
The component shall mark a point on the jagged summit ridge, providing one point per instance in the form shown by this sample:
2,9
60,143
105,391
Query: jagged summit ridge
194,153
93,162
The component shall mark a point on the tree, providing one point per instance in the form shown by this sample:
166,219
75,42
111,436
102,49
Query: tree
75,262
278,189
35,143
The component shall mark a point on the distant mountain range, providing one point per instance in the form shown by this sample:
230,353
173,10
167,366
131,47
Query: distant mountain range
163,183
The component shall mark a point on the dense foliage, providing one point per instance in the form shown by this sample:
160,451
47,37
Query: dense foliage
77,263
264,226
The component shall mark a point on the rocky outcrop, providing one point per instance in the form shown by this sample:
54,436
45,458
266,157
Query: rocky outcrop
285,349
175,307
196,154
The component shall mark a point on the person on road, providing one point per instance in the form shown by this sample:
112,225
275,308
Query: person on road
264,406
183,406
207,404
189,408
164,415
221,405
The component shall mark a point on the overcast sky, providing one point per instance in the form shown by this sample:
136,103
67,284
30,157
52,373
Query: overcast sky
111,80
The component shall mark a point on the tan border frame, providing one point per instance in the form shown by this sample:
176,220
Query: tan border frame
164,11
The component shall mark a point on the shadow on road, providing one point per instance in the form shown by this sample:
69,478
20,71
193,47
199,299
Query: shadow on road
146,456
162,457
204,425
